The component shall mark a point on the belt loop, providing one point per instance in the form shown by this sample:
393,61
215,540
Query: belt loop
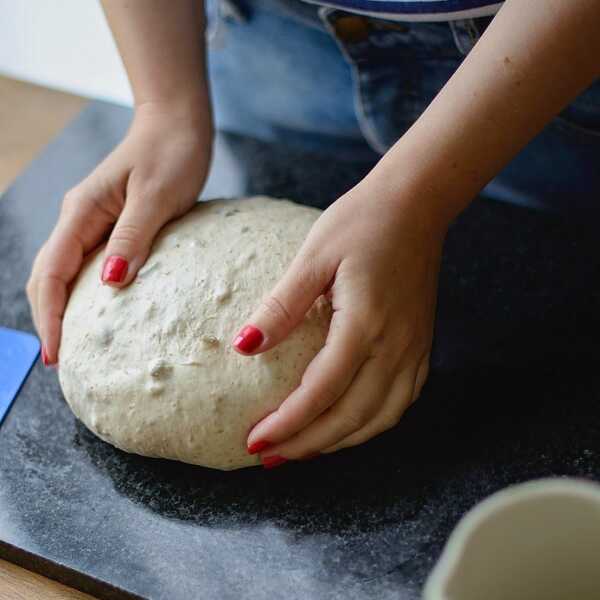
465,33
219,12
232,10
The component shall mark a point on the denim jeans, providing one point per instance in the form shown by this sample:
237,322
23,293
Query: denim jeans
328,81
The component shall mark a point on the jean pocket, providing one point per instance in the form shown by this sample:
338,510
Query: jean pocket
397,70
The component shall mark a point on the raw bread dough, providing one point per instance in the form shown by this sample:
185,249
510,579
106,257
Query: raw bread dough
150,368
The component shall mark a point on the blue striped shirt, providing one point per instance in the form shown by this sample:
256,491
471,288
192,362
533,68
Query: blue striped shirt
416,10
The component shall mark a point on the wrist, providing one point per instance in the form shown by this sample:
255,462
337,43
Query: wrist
417,177
159,125
403,195
190,110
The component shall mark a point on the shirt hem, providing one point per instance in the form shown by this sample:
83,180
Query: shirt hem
471,13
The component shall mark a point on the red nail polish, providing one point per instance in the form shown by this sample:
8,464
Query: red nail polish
115,269
270,462
257,447
248,339
45,361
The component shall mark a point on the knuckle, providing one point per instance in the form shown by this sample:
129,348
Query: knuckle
275,309
106,203
310,270
95,193
71,200
388,422
400,400
324,395
72,196
369,334
421,378
353,420
368,321
162,200
423,371
126,235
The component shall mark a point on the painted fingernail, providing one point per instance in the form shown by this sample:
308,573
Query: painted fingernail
45,360
115,269
248,339
257,447
270,462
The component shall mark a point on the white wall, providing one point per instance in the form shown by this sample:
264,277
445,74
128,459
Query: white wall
64,44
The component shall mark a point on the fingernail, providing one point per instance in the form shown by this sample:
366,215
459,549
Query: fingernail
115,269
248,339
257,447
45,360
270,462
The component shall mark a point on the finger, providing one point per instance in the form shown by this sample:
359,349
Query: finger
289,301
326,378
350,413
131,239
60,262
52,299
398,399
82,224
31,289
421,378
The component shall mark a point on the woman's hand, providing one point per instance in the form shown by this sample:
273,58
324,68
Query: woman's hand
377,257
153,176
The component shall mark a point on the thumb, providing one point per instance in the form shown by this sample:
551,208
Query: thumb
131,239
279,313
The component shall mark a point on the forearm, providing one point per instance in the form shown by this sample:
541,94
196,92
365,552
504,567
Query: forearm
532,60
163,49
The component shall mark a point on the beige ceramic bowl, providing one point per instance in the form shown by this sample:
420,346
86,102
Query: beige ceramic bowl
535,541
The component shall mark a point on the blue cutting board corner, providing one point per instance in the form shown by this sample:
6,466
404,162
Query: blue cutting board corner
18,352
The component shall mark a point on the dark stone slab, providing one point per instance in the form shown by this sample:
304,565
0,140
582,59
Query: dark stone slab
514,395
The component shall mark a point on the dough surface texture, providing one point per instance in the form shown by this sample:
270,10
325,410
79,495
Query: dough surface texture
150,368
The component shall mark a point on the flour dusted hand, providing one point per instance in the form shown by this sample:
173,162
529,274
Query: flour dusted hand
150,369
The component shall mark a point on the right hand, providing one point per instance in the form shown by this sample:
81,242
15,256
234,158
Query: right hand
154,175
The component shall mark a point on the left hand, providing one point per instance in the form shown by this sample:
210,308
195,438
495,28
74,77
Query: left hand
380,254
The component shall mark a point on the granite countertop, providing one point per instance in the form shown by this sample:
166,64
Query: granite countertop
514,395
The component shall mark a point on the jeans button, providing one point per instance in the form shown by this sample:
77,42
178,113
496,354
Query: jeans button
350,28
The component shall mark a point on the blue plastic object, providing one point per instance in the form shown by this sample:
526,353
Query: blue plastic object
18,352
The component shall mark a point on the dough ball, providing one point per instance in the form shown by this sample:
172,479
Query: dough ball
150,368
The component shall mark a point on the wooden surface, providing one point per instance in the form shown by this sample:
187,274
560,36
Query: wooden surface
18,584
30,116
